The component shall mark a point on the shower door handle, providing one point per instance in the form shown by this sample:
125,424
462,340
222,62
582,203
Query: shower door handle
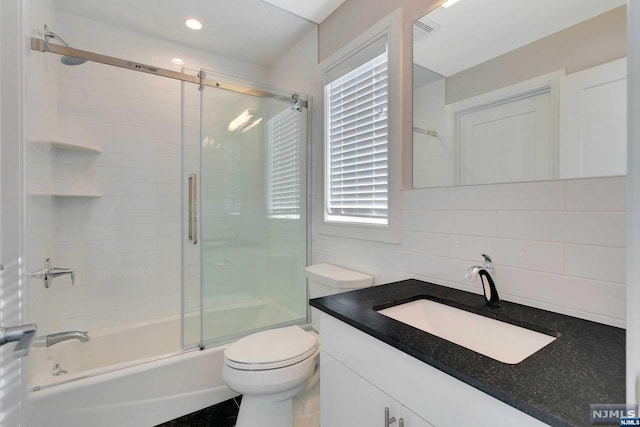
193,208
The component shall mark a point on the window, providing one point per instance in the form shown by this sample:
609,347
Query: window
284,164
356,138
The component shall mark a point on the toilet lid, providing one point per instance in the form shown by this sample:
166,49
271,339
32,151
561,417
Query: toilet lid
271,349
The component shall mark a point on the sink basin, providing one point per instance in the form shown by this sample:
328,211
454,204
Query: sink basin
501,341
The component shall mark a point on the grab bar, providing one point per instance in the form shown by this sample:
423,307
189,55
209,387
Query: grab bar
193,208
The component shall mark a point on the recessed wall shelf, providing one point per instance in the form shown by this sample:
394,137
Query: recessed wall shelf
70,146
44,193
75,147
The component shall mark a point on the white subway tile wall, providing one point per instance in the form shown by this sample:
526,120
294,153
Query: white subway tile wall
557,245
125,245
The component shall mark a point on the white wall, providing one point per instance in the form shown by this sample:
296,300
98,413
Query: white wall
431,155
296,71
558,245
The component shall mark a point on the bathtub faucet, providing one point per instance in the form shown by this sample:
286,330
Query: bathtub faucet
52,339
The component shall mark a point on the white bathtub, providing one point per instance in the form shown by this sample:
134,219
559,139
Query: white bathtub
146,394
143,395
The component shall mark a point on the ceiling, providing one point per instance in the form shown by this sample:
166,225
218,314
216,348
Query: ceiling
471,32
248,30
313,10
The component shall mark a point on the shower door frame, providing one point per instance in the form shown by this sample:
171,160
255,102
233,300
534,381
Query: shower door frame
200,79
263,92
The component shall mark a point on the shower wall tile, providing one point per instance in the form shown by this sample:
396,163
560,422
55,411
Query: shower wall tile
125,246
556,245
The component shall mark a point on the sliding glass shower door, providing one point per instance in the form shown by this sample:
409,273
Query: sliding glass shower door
250,230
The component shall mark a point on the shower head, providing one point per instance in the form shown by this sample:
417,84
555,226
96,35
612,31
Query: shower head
66,60
72,60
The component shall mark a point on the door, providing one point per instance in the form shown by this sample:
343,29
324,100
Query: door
507,141
349,400
412,420
593,121
248,223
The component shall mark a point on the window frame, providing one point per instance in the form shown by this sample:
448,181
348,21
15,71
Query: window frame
391,28
370,54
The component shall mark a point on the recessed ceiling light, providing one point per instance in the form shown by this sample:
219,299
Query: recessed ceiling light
241,121
449,3
177,61
194,24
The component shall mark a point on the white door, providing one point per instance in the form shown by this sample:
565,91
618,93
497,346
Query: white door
412,420
593,121
348,400
507,141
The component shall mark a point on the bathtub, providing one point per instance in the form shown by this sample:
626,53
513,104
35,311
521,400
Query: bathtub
103,387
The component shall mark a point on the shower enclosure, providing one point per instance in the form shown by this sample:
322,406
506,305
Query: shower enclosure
244,163
178,198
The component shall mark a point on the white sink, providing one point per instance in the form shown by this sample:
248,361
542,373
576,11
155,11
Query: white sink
499,340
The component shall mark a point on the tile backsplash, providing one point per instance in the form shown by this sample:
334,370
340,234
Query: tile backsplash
557,245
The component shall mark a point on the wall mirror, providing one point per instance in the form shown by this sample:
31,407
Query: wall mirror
519,90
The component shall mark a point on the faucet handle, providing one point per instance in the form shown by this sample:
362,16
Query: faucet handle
487,261
48,273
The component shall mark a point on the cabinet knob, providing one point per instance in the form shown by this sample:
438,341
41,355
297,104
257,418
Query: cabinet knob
388,421
401,422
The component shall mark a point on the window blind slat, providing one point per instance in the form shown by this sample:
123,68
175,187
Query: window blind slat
284,163
357,142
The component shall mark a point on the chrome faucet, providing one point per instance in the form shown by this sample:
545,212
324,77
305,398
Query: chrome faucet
52,339
48,273
488,285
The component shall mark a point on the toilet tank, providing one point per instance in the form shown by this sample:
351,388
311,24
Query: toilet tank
328,279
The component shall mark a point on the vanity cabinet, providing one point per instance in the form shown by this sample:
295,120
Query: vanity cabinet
361,375
350,400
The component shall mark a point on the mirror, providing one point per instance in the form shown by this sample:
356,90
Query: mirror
519,90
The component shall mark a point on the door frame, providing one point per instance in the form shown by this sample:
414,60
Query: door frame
453,112
12,203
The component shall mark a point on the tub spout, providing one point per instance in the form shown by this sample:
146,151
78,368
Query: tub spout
52,339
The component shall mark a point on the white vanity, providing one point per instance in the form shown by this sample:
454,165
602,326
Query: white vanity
370,362
361,375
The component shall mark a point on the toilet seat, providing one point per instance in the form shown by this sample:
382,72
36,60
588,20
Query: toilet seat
272,349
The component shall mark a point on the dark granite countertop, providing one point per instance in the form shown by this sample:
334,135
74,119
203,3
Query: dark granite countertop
583,366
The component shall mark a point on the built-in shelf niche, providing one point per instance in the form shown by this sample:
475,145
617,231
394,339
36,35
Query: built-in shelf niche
67,146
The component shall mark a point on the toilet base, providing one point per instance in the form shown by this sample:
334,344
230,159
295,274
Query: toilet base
263,411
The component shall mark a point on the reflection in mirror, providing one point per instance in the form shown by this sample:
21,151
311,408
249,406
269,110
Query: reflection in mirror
519,90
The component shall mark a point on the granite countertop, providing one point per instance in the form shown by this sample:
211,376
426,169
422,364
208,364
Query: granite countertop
583,366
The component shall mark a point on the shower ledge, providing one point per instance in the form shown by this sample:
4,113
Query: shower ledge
61,194
75,147
71,146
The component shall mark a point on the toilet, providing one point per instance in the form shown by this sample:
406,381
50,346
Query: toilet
270,368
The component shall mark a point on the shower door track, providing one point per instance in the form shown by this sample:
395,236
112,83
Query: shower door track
200,79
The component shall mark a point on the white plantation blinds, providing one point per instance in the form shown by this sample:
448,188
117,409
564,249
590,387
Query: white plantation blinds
356,129
284,164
